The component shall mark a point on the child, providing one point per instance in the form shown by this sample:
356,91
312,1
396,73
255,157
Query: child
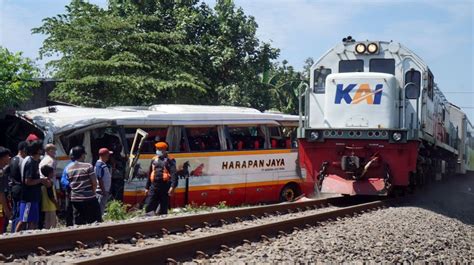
49,204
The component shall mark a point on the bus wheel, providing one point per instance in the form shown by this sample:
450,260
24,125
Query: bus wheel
288,193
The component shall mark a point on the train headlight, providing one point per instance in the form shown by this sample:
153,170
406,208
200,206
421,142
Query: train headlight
360,48
314,136
396,136
372,48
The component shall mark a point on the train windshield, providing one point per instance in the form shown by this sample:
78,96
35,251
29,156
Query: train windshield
386,66
348,66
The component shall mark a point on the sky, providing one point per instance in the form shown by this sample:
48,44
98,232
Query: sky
439,31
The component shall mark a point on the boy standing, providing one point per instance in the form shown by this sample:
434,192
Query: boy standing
49,204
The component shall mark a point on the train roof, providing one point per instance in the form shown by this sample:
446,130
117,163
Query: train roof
59,119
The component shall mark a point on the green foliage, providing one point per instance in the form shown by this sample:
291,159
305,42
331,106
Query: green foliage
222,205
148,52
115,211
16,73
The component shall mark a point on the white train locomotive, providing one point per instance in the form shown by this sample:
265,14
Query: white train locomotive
375,121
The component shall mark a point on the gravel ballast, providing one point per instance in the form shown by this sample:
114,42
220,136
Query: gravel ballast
437,225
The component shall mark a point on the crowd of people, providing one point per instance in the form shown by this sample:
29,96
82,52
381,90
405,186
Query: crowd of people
29,187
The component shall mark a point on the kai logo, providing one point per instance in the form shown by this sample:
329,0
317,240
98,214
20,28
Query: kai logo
363,93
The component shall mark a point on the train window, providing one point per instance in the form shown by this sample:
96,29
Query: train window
154,135
246,138
347,66
414,77
203,139
319,77
430,85
386,66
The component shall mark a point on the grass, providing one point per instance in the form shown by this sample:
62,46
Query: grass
116,211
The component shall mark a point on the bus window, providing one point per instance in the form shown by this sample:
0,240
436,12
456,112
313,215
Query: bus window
203,139
246,138
282,137
154,135
69,142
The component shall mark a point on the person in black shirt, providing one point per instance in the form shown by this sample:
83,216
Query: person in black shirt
31,187
14,178
162,180
5,212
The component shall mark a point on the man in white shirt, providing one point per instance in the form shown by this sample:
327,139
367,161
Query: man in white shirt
50,160
104,178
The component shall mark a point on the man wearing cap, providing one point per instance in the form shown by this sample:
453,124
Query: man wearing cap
5,212
104,177
162,180
83,185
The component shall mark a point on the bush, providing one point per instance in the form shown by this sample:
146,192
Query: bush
115,210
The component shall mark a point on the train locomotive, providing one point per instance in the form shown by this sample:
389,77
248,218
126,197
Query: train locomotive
375,122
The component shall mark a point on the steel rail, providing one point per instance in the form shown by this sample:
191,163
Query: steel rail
186,248
22,245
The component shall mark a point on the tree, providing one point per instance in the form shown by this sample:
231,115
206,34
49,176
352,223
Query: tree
128,54
148,52
283,82
16,78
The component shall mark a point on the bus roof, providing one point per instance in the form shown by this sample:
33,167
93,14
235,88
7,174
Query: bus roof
59,119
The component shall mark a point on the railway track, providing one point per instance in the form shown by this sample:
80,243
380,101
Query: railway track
47,242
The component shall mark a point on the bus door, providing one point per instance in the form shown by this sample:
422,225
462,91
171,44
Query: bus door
142,150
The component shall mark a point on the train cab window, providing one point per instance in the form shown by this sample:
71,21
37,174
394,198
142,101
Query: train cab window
246,137
154,135
348,66
319,79
430,85
414,77
386,66
203,139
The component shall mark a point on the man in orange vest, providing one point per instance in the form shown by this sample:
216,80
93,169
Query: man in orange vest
162,180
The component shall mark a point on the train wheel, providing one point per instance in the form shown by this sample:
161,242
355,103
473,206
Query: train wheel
288,193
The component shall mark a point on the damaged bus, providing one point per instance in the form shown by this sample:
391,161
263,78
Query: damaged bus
225,154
